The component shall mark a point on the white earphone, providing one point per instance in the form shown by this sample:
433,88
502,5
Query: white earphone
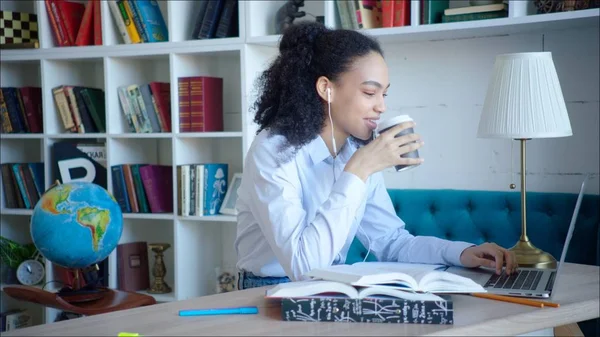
331,121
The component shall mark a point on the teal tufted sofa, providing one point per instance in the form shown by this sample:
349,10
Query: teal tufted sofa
495,216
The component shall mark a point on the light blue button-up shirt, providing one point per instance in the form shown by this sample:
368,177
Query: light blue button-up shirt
300,211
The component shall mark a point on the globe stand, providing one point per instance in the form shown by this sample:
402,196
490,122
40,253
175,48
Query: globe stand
91,291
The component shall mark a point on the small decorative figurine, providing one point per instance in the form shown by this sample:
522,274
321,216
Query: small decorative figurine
287,13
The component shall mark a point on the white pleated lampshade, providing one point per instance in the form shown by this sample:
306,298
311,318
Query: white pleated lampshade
524,99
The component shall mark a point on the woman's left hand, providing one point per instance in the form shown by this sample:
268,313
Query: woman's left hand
489,255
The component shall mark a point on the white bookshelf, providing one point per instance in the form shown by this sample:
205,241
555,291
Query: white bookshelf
198,244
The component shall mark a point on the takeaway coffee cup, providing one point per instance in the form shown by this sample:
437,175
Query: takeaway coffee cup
391,122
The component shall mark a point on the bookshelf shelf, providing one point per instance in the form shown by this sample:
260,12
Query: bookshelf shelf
16,211
200,244
209,218
149,216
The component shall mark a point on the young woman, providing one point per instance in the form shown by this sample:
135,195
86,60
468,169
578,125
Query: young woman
312,178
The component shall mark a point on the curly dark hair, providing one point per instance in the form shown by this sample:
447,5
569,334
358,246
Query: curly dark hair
288,103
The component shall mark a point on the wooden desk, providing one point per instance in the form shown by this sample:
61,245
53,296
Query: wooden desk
577,292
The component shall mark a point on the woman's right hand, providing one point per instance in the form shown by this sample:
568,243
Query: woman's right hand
385,151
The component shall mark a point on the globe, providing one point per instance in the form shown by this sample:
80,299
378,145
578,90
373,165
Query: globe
76,224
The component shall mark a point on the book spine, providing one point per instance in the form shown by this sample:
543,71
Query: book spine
184,104
367,310
197,106
84,112
139,188
211,19
57,28
127,110
10,194
120,18
63,109
21,107
97,22
13,110
213,104
130,188
401,13
215,186
31,101
137,20
223,28
70,16
119,189
146,99
21,185
161,91
143,122
158,187
474,16
72,101
4,116
152,20
37,172
85,34
127,17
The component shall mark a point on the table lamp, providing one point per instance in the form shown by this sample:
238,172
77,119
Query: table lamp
524,101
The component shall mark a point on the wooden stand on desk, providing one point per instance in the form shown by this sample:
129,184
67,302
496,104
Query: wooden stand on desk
111,300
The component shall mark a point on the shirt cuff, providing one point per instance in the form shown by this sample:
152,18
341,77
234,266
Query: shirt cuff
454,250
351,187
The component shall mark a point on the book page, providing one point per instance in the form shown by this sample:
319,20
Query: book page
446,282
358,276
416,270
310,288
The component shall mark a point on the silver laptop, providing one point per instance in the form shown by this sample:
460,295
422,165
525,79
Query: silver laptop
526,282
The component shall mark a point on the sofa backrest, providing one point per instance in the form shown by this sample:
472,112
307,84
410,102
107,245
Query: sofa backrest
495,216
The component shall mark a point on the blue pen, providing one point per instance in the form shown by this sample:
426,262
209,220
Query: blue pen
219,311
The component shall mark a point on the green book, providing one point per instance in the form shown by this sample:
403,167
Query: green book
433,10
94,101
475,16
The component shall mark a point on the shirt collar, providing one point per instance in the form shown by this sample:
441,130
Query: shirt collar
318,151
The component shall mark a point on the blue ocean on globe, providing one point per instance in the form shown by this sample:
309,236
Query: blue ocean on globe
76,224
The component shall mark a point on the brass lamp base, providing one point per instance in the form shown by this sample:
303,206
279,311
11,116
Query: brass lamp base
529,256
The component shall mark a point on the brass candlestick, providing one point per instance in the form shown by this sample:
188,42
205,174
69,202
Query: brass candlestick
159,270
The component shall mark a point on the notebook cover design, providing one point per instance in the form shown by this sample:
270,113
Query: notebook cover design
367,310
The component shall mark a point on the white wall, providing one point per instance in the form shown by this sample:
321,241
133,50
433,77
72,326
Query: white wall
442,84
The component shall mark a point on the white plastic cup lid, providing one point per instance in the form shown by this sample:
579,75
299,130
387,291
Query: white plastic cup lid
393,121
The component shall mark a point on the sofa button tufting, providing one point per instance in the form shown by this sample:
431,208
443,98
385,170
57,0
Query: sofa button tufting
432,209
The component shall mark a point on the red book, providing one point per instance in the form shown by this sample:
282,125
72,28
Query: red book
158,185
133,272
97,22
161,91
71,14
85,35
206,104
401,11
32,102
58,29
387,13
183,92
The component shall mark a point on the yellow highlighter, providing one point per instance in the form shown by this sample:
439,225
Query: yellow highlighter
129,334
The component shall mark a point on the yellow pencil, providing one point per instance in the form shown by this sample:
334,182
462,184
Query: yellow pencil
517,300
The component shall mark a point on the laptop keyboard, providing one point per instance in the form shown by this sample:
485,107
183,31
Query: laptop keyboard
524,280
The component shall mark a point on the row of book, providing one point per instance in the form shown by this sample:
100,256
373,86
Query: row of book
75,23
139,21
201,188
146,107
23,184
216,19
143,188
81,109
368,14
21,110
200,104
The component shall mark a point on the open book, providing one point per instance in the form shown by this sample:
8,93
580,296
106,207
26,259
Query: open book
320,288
408,277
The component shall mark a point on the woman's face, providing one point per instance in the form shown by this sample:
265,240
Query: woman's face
358,96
